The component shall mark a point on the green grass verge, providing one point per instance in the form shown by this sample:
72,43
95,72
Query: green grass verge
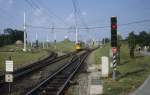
131,82
63,46
104,51
19,57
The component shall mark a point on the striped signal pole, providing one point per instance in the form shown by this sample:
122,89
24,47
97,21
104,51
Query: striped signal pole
114,65
114,44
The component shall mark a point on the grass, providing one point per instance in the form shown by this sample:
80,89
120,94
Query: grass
20,58
63,46
104,51
129,83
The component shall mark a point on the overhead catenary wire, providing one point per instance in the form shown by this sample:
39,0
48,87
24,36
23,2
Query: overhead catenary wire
30,4
50,12
93,27
35,6
39,5
79,13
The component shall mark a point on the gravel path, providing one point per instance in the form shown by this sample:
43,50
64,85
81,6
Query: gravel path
83,79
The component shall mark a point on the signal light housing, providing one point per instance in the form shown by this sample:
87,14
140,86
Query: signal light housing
114,31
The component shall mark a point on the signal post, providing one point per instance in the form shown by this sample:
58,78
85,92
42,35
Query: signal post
114,45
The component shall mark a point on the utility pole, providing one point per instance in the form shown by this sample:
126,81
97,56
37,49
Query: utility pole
43,45
76,22
31,44
36,36
54,36
47,40
36,40
24,49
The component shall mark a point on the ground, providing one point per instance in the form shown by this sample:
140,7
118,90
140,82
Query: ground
130,81
124,85
19,57
87,72
63,46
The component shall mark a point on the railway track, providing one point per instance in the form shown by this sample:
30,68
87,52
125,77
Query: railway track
18,73
40,64
55,84
30,70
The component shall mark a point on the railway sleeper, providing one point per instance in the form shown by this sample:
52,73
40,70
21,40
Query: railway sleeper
61,77
56,82
47,89
48,93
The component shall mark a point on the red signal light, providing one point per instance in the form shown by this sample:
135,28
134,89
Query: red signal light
114,26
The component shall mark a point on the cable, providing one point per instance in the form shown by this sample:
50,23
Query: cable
80,15
93,27
135,22
51,12
43,27
30,4
125,24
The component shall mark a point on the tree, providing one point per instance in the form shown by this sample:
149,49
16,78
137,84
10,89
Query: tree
10,36
14,34
119,38
132,43
143,39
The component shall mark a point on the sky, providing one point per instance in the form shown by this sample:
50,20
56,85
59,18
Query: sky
60,14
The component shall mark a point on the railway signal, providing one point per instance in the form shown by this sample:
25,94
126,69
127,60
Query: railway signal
114,31
114,44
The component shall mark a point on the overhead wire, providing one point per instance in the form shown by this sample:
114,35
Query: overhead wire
94,27
30,4
35,6
50,12
40,5
81,17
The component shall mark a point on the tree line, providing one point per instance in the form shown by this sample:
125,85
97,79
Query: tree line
10,36
142,39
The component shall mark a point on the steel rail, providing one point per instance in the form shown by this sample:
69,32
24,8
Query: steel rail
67,72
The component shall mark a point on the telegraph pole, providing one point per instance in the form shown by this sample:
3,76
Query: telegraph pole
24,49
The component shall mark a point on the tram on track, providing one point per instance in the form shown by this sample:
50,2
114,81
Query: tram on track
78,46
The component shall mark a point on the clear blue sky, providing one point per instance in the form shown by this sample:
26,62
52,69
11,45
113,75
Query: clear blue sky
94,12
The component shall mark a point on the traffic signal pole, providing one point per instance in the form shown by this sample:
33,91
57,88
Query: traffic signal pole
114,45
114,66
